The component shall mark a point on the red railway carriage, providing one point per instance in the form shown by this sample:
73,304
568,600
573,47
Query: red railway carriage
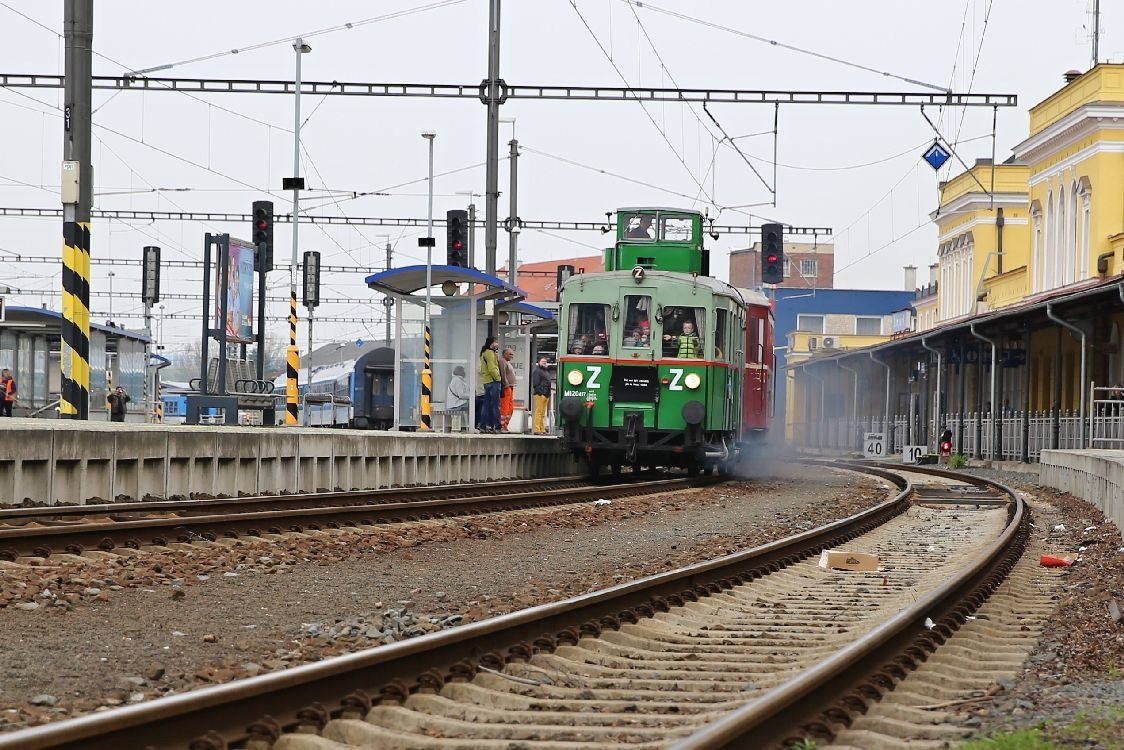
760,367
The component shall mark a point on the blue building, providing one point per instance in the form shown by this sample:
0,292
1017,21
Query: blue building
811,320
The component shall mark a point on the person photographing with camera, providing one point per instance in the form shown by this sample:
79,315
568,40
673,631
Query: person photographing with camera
117,404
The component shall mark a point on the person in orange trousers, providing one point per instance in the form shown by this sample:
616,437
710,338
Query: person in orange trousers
507,395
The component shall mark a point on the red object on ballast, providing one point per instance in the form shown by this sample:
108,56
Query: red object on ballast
1049,561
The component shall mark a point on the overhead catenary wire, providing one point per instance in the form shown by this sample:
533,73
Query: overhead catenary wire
975,66
302,35
648,114
782,45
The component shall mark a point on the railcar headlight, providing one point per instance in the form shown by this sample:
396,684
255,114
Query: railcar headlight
692,380
574,377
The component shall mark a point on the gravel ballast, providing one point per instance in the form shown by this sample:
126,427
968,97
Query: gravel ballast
131,628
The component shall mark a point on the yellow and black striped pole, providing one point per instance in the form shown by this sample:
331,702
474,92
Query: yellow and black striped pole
292,363
75,355
427,388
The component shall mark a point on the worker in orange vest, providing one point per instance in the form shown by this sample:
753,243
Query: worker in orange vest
7,392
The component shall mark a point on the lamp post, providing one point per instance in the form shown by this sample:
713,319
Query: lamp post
427,373
512,224
292,391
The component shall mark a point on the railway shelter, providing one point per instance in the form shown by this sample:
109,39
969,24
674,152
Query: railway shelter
461,313
30,347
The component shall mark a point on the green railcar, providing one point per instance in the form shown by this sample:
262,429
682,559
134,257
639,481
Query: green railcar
652,356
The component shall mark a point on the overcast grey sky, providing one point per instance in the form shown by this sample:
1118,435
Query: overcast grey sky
856,169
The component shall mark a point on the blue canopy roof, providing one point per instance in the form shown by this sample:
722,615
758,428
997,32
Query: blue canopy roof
405,281
526,308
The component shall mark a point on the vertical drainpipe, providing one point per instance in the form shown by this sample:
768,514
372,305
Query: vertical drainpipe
937,414
886,405
1056,406
854,404
1024,454
962,379
1081,382
994,369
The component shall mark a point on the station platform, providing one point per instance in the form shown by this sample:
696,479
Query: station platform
65,462
1094,475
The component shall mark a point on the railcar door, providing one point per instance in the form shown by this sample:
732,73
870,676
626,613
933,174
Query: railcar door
380,398
635,384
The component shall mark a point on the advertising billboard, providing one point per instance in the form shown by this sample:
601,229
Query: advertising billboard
239,292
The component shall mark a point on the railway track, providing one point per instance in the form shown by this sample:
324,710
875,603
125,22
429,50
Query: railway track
159,524
748,650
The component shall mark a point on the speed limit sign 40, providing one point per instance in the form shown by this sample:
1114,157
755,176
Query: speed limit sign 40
874,445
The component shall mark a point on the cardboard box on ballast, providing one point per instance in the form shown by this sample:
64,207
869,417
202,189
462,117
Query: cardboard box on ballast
843,560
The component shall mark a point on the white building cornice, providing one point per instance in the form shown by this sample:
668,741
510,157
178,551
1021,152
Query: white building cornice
987,221
1100,147
977,201
1080,123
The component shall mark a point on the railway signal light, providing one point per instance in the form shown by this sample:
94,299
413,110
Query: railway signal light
150,282
456,238
772,253
262,235
311,278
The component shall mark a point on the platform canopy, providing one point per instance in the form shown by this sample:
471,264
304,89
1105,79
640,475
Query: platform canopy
526,308
403,282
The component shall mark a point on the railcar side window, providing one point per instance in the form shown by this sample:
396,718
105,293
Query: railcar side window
682,332
639,227
720,341
676,228
588,334
637,327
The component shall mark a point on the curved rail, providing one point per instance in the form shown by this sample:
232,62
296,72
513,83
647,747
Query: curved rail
308,696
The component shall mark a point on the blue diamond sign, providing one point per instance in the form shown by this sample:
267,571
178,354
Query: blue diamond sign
937,155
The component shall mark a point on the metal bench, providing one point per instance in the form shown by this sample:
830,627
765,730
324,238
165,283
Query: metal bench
242,391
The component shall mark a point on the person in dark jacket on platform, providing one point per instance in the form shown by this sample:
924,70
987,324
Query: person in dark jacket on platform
540,389
117,405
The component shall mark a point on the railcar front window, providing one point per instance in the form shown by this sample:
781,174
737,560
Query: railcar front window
639,227
677,228
637,328
682,332
588,334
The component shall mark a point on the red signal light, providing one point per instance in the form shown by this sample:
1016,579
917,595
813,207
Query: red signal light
456,245
772,258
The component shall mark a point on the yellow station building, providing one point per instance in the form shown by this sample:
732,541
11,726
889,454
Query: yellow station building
1045,225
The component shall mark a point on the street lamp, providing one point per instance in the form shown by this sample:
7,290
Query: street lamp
513,223
292,391
427,373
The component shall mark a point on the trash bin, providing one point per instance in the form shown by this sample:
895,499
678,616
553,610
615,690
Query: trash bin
520,422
